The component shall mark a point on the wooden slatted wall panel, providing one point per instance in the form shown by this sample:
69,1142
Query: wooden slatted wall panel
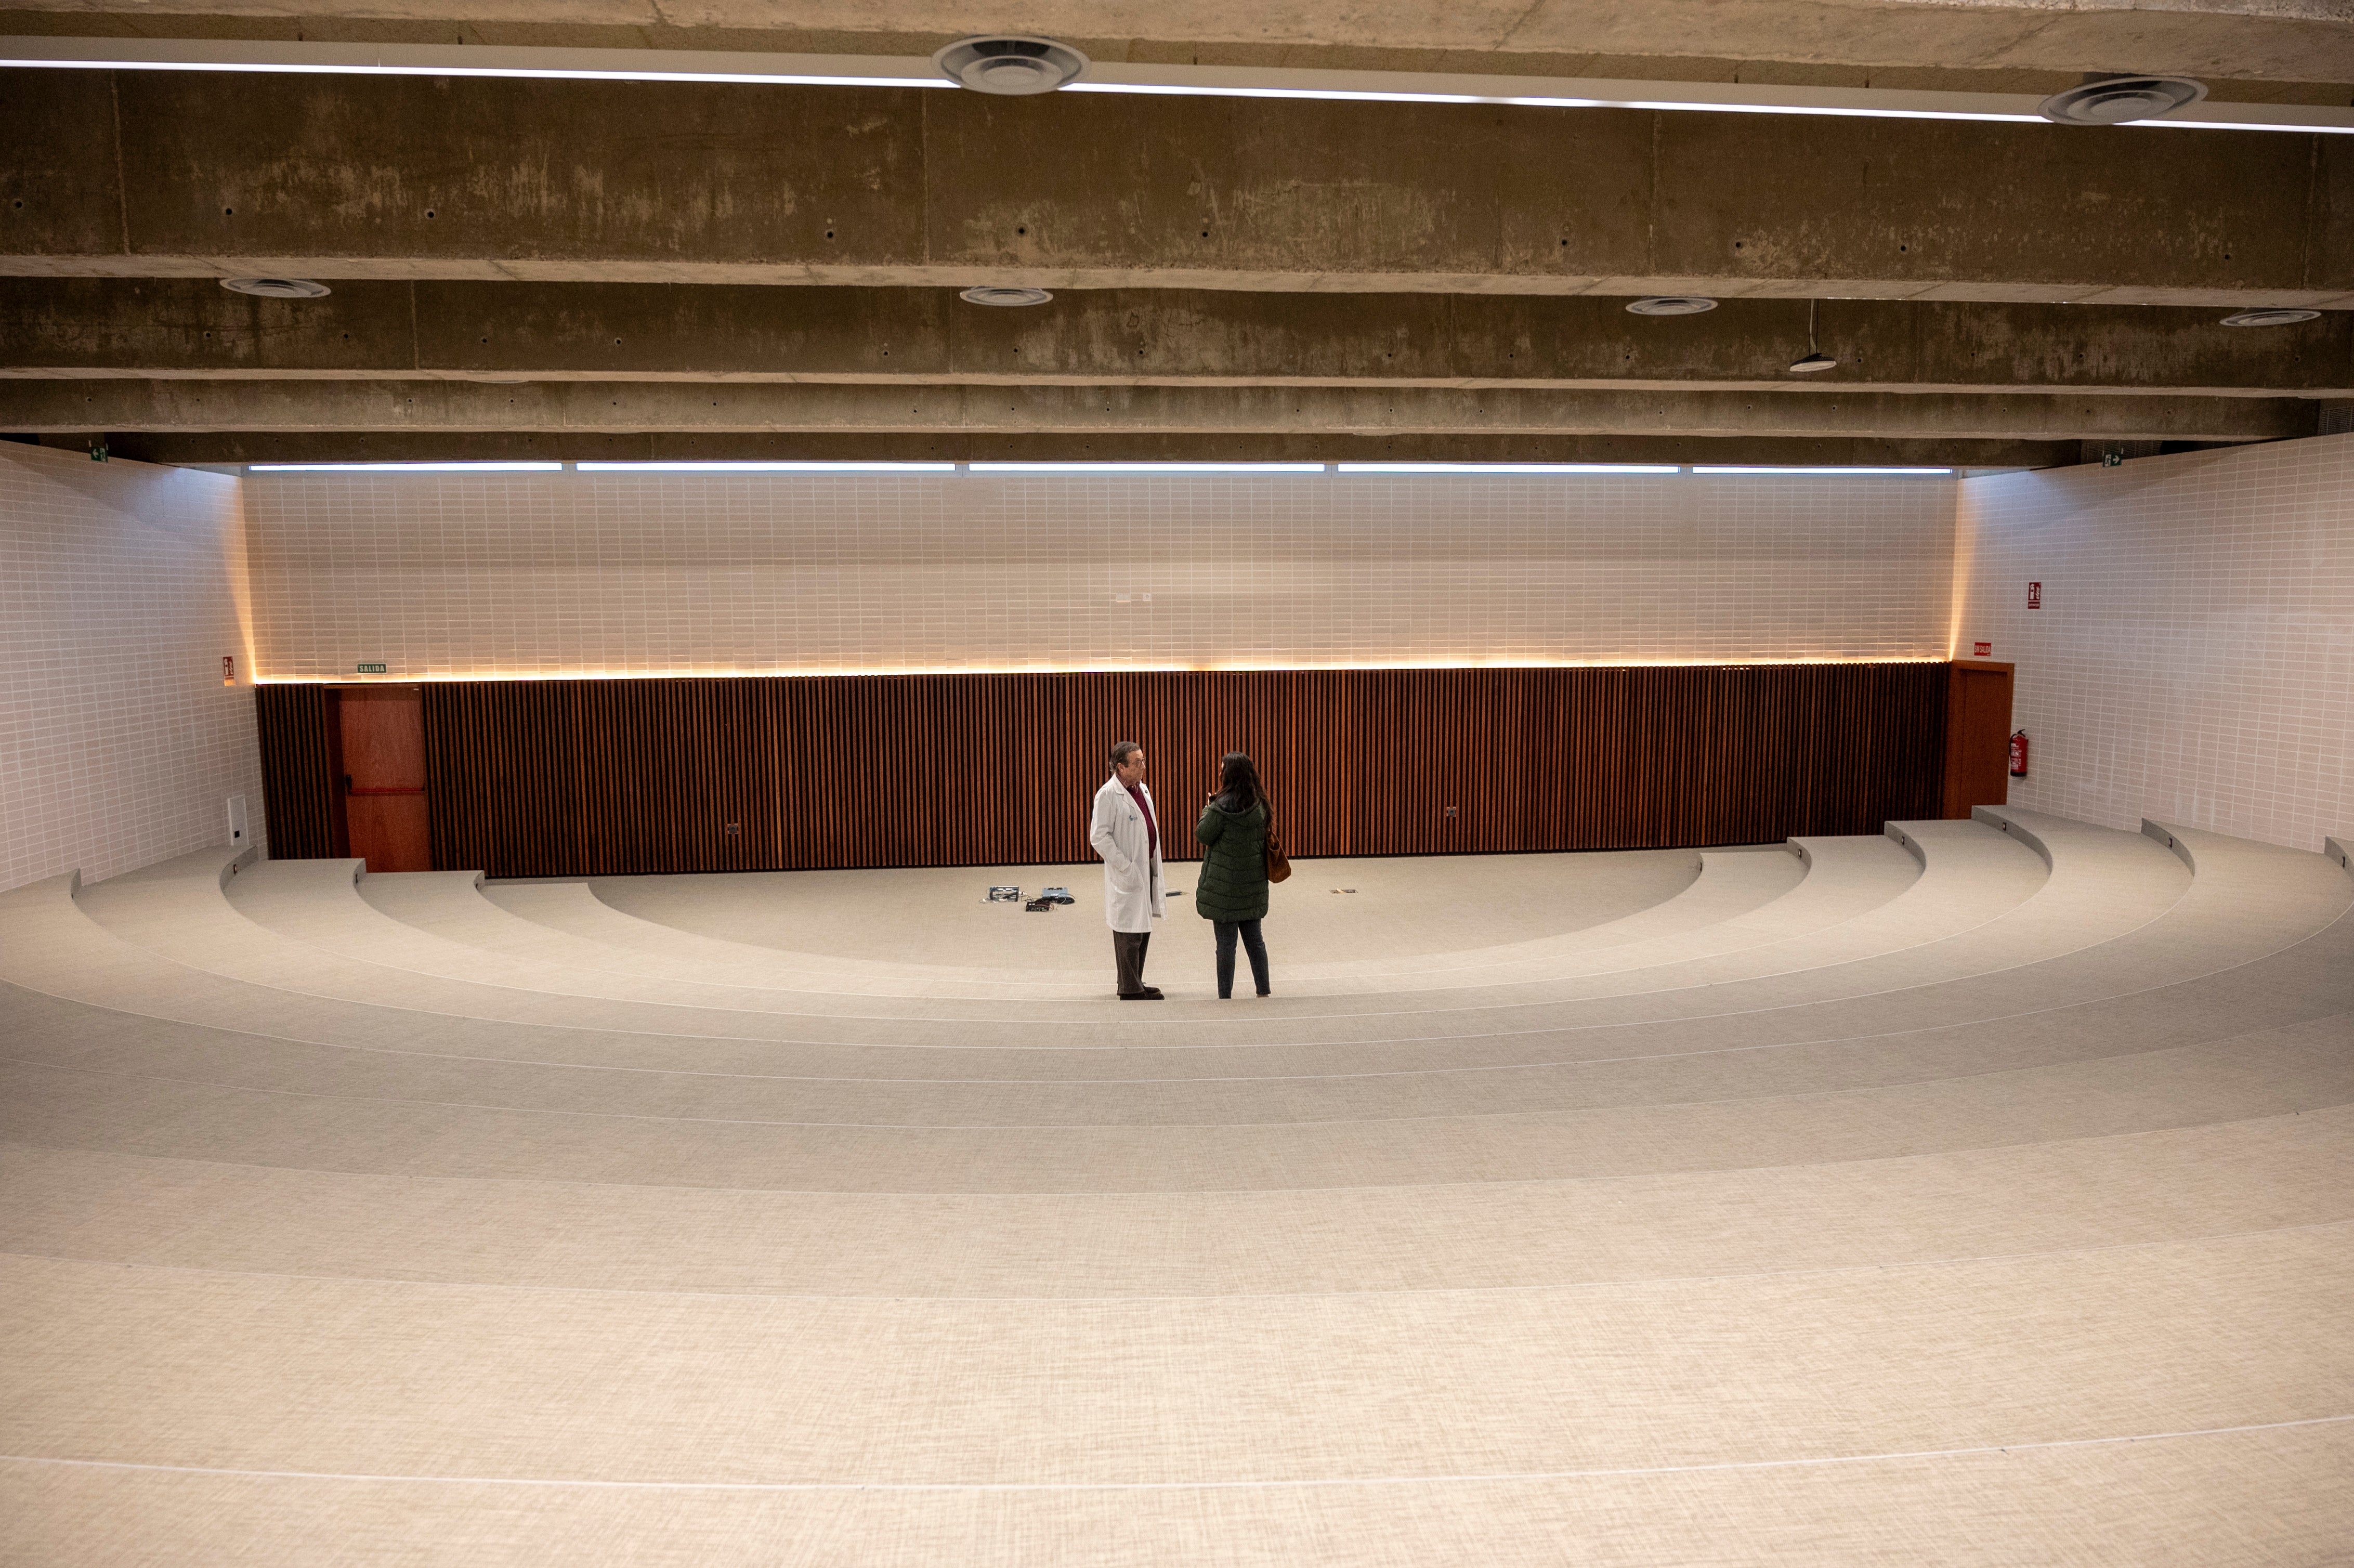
298,770
581,777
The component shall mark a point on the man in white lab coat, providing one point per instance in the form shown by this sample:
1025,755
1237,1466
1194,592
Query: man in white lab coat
1126,832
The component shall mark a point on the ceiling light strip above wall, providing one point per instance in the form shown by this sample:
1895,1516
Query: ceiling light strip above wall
1859,472
763,467
405,467
1151,80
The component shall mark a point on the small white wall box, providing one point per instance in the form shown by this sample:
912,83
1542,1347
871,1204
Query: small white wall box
237,839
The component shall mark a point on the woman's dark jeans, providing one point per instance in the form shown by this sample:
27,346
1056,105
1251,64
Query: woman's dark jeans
1252,944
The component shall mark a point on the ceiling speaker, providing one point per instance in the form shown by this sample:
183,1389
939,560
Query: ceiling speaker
1011,66
2102,99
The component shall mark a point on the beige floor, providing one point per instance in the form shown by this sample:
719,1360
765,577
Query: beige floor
1982,1193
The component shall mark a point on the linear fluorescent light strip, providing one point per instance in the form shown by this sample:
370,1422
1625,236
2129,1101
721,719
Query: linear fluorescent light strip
767,467
1145,467
1104,77
1526,101
1840,472
1509,467
404,468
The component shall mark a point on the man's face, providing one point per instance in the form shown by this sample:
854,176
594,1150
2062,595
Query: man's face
1131,771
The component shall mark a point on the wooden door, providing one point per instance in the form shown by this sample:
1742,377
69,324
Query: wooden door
1977,736
384,777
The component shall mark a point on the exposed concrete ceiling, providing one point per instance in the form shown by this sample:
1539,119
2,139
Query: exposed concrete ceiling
193,329
160,173
379,446
630,406
519,261
2039,42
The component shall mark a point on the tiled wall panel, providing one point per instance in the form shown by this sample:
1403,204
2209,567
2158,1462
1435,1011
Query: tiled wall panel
674,574
118,590
2193,657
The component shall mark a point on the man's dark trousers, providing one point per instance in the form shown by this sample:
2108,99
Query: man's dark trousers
1128,951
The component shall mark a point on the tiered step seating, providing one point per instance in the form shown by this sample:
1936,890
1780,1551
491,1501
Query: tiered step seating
1979,1192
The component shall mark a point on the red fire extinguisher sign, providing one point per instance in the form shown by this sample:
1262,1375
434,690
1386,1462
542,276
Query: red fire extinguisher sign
2018,754
2035,596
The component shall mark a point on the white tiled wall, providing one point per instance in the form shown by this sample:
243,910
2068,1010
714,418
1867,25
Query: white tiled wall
647,574
2193,661
119,589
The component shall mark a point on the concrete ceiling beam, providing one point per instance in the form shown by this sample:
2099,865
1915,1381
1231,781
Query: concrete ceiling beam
381,446
158,173
2281,39
191,328
638,406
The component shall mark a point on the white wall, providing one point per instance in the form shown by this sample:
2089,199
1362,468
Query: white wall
119,585
2193,661
669,574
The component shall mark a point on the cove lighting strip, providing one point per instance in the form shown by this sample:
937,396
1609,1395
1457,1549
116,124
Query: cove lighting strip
787,673
1109,77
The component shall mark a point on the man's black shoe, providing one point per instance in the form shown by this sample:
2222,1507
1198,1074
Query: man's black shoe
1150,993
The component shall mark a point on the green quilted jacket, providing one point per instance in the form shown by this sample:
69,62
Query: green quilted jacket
1233,881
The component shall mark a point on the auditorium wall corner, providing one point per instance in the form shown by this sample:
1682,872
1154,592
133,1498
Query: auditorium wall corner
2183,629
122,587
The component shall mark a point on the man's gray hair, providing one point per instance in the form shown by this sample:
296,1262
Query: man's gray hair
1121,750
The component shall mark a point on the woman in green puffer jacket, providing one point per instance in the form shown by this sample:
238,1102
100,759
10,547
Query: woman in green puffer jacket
1231,891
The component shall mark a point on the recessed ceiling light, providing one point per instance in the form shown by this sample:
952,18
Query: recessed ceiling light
2105,100
1012,66
1671,305
277,288
984,294
2270,318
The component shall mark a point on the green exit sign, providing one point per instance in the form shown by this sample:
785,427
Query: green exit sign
371,668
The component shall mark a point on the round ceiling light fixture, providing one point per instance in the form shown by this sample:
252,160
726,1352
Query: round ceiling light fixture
2106,98
986,294
2270,318
1815,358
277,288
1011,66
1671,305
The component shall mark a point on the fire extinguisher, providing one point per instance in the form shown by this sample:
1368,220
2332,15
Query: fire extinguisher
2018,754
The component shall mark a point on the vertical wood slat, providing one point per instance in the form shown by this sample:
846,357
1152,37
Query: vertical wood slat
299,777
583,778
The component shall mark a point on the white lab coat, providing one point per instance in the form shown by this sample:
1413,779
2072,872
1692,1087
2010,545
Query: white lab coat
1133,898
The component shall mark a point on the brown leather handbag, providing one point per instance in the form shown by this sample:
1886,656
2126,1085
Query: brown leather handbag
1279,864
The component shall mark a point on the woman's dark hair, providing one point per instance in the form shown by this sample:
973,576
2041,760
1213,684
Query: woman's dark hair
1238,788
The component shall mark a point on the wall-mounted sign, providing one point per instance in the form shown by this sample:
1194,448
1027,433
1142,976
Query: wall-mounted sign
2035,596
371,668
1981,650
229,670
